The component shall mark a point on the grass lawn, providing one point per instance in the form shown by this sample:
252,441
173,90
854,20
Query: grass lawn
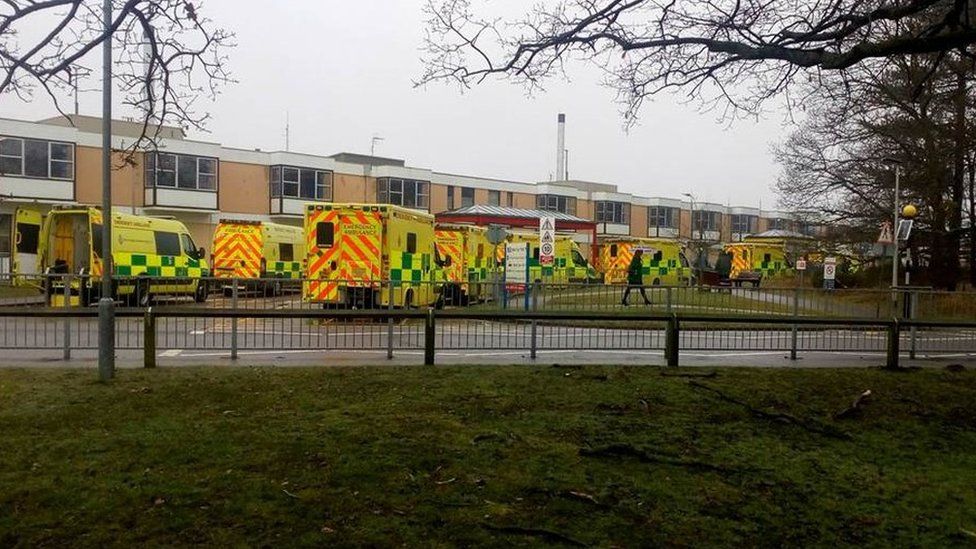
445,456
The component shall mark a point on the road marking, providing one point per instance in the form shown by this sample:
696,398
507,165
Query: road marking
171,353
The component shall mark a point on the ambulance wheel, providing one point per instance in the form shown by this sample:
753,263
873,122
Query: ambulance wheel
657,282
143,297
408,300
200,295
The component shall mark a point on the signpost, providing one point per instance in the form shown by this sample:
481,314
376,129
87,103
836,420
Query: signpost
547,240
830,272
517,269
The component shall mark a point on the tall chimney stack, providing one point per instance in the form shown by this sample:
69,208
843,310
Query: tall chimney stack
561,148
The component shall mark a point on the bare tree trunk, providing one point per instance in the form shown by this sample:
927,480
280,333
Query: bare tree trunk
954,240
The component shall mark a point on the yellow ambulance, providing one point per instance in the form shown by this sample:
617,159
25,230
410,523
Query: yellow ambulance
463,257
151,257
356,252
753,262
663,261
569,264
262,256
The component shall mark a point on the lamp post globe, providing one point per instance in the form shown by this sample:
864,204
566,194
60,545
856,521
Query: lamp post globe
909,211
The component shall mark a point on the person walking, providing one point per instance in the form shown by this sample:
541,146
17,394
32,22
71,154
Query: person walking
635,278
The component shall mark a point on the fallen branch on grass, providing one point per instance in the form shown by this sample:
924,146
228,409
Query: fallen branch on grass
810,426
547,535
626,450
855,408
711,374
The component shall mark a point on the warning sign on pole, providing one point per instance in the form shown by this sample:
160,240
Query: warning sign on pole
829,272
547,240
886,237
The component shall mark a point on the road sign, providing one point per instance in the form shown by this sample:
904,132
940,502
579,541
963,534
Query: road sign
904,229
547,240
516,263
886,237
801,264
496,234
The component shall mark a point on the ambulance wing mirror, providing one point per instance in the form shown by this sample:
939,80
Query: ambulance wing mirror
448,261
201,253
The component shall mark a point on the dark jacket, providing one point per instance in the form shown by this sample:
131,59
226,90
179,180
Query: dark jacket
634,272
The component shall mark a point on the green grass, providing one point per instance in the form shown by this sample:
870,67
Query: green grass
8,291
449,456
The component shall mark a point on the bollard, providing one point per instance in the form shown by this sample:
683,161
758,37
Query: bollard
389,325
429,338
149,339
233,321
793,330
913,331
535,329
671,340
894,334
67,321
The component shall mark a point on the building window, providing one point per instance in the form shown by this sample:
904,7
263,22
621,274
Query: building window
181,171
556,203
36,158
306,183
662,217
612,212
450,197
781,224
403,192
705,221
494,198
509,200
467,197
744,224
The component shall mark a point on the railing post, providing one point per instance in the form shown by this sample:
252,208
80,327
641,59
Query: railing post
233,320
913,331
389,324
668,297
671,340
793,330
149,339
894,336
67,320
429,338
535,307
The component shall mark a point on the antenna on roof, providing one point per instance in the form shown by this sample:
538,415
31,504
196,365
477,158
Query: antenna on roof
287,132
372,144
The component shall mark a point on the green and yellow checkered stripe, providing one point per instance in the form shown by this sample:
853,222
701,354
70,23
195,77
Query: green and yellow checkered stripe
407,267
164,266
284,269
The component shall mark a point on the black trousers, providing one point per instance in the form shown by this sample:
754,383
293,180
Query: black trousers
639,288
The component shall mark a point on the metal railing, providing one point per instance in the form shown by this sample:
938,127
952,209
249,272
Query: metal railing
271,314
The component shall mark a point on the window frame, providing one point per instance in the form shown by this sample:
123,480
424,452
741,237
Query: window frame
50,160
467,197
556,203
494,198
323,182
712,221
611,211
668,213
154,168
751,222
393,190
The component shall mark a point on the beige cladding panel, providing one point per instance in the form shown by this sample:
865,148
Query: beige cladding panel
638,220
127,178
481,196
244,188
684,223
725,227
762,225
438,198
524,201
584,209
353,188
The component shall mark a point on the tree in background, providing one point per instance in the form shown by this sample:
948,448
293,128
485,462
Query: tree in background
167,55
911,110
734,54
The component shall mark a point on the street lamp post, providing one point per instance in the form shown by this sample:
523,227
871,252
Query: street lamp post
692,198
106,312
894,229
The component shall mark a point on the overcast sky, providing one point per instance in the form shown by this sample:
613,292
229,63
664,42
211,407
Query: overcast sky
343,72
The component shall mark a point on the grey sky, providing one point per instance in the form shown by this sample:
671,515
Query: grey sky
343,71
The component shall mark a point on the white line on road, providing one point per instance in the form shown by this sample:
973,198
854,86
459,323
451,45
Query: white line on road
171,353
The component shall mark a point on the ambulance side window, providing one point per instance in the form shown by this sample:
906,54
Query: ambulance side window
189,248
683,259
481,250
324,234
286,252
578,259
167,243
535,253
411,243
767,258
658,255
